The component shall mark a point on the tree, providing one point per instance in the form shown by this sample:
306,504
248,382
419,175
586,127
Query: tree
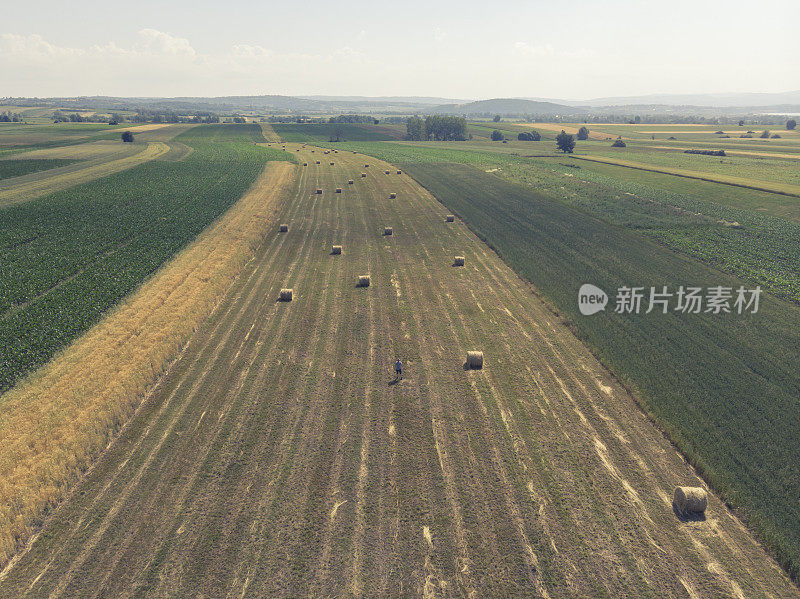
496,135
791,124
765,134
618,143
741,123
415,129
565,142
583,134
496,118
127,137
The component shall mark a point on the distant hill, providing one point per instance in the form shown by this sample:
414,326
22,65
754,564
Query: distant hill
719,100
387,99
507,106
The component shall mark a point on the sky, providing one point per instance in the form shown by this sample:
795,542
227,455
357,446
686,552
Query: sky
470,49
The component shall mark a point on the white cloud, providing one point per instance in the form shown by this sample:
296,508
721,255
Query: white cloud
540,50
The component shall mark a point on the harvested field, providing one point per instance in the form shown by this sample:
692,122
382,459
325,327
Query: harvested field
277,457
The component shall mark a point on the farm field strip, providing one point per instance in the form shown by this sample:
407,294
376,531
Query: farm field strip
36,185
93,386
779,188
276,457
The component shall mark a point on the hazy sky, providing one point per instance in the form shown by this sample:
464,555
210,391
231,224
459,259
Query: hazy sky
578,49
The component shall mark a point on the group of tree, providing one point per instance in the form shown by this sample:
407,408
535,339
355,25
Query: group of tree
583,134
8,117
529,136
353,119
497,135
438,128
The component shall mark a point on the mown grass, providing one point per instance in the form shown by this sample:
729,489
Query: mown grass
689,216
68,257
724,387
17,168
323,132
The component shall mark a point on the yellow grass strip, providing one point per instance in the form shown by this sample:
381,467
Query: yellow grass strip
141,128
269,133
558,127
779,188
41,185
59,419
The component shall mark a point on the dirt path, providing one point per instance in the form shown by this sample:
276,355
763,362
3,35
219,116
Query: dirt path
278,457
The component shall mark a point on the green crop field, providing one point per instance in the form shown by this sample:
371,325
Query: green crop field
16,168
732,410
69,256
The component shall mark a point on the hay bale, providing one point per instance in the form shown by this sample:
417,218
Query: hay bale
450,218
319,192
317,161
336,250
690,500
363,175
364,281
331,163
387,230
458,261
338,190
475,360
284,228
385,172
366,166
286,295
399,172
392,196
305,164
349,181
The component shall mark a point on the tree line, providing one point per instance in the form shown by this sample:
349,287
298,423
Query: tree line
437,128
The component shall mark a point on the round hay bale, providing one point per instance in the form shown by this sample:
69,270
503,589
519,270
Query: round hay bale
284,228
392,196
312,151
363,175
319,192
286,295
338,190
385,172
331,163
305,164
690,500
399,172
349,181
366,166
450,218
475,360
387,230
336,250
459,261
364,281
317,161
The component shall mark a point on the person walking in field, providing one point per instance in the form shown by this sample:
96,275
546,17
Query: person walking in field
398,370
